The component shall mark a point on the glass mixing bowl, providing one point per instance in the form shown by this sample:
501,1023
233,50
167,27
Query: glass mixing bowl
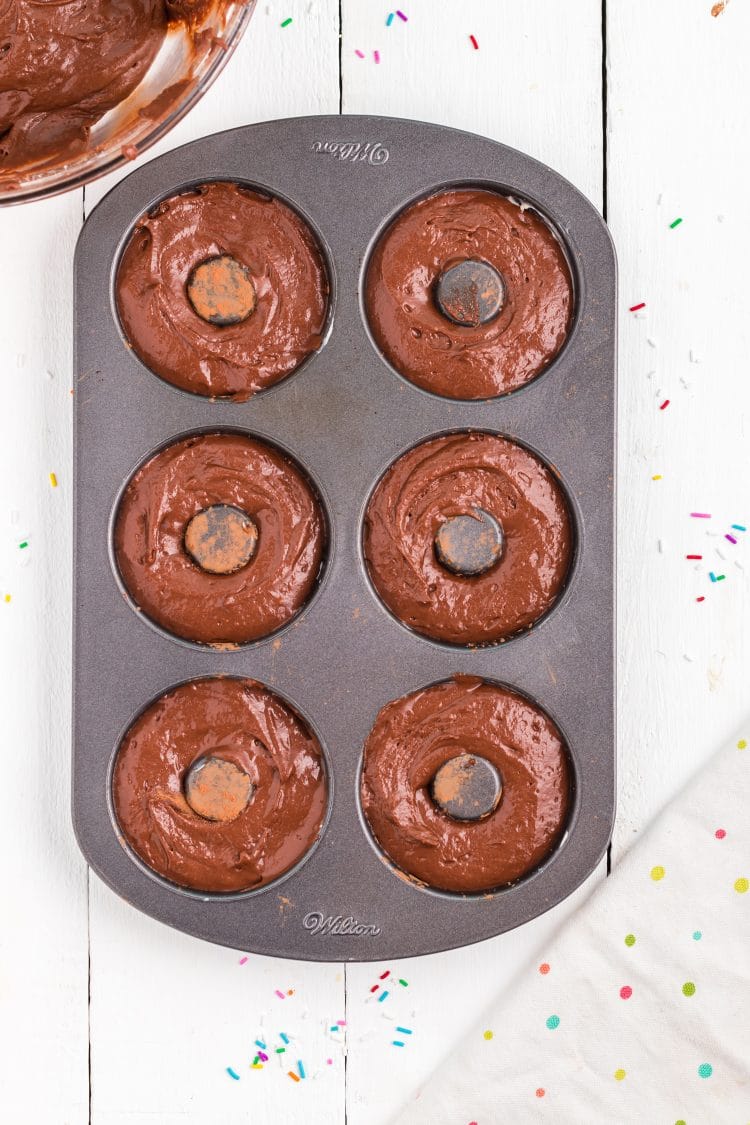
185,66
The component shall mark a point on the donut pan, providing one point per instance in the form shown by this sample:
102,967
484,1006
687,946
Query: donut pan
345,416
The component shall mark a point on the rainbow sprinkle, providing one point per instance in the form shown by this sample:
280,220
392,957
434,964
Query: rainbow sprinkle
635,308
359,54
473,41
401,16
731,538
53,479
285,23
676,223
300,1068
700,515
389,21
232,1074
376,56
280,994
382,996
738,527
293,1075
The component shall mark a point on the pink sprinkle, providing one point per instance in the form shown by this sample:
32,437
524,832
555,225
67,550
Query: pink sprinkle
401,16
731,538
359,54
719,833
329,1062
665,404
474,43
280,995
341,1023
626,992
376,56
262,1056
243,960
700,515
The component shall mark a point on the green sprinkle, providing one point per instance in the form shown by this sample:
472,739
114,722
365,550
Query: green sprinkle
287,22
256,1060
22,545
405,983
676,223
720,577
630,939
280,1050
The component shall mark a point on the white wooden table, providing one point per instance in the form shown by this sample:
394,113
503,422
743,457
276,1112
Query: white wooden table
109,1017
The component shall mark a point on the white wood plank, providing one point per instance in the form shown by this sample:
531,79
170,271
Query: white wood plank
43,939
534,83
678,107
169,1013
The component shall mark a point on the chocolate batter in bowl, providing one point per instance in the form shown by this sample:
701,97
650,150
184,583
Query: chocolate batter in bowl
219,538
472,735
222,290
468,538
87,86
220,786
468,294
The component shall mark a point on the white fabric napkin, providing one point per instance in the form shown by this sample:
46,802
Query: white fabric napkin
639,1010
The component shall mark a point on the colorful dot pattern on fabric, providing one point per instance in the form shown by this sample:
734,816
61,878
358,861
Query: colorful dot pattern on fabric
540,1092
741,886
705,1070
688,988
620,1074
742,744
544,968
553,1022
697,935
719,833
630,939
680,1122
488,1035
626,992
657,873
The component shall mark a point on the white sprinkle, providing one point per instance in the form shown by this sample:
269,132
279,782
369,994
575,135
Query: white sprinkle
660,546
718,552
651,343
684,382
693,357
688,657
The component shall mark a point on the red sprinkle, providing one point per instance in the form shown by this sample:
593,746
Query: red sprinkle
700,599
635,308
387,973
474,43
375,988
693,556
665,404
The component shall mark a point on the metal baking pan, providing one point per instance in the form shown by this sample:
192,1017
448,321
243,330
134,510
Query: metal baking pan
345,416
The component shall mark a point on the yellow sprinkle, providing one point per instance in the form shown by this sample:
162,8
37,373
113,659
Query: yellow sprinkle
619,1074
488,1034
657,873
741,886
657,477
7,597
53,480
741,744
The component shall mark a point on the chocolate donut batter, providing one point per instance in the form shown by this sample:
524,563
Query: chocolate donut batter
460,475
244,844
63,65
280,260
475,359
195,475
416,735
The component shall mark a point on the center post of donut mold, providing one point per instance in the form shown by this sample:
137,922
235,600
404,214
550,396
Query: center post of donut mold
470,292
469,544
221,539
217,789
467,787
221,291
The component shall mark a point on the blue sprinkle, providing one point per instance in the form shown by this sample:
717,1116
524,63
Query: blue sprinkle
261,1044
397,1043
382,997
712,576
231,1074
284,1037
300,1068
404,1030
389,21
738,527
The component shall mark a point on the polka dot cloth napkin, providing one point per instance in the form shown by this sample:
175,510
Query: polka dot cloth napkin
639,1012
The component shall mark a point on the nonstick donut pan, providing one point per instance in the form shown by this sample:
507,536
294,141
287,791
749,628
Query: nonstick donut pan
343,417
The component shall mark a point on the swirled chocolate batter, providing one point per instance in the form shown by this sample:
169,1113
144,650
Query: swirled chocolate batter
264,807
63,65
420,510
265,248
219,538
469,294
415,737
